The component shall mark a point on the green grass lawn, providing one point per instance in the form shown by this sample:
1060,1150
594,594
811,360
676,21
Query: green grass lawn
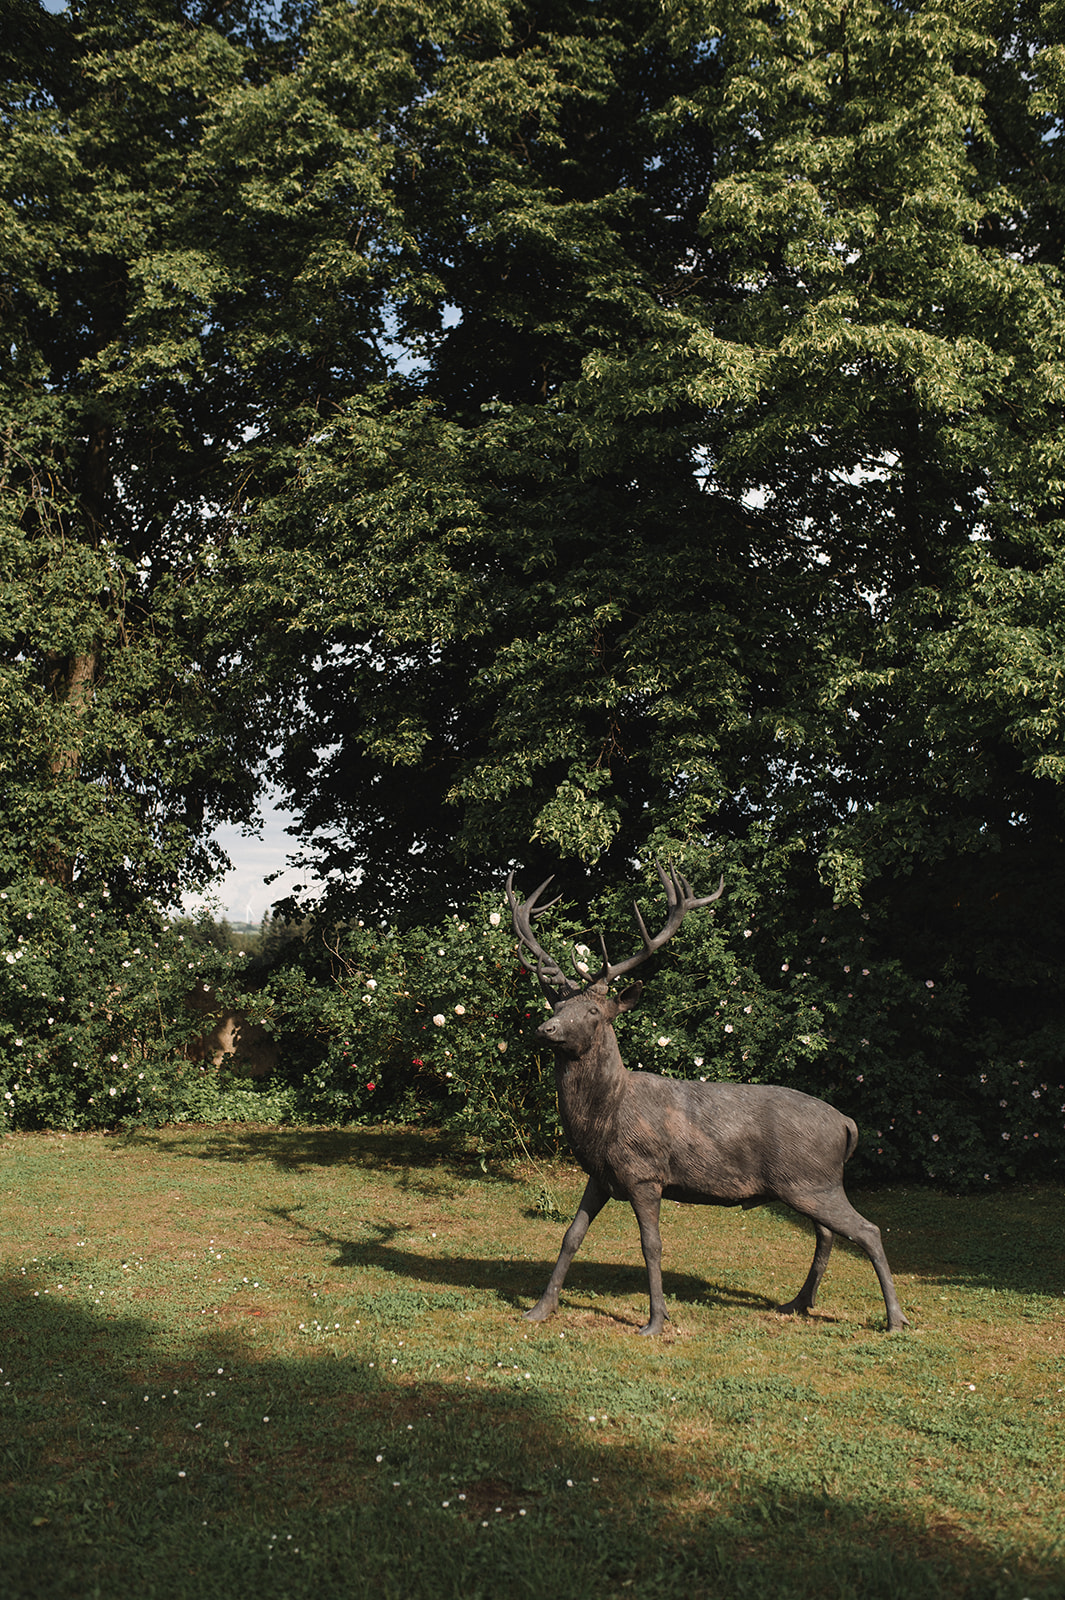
268,1362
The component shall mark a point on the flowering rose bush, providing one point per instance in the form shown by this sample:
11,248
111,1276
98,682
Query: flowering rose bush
430,1024
93,1016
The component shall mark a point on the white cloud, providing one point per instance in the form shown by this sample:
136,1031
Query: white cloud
241,894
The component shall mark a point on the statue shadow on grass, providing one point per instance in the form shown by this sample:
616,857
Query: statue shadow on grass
517,1283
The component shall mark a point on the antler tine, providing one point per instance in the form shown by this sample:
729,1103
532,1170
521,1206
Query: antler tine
529,905
708,899
641,924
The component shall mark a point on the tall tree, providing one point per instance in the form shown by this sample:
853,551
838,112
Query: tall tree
173,318
721,483
114,758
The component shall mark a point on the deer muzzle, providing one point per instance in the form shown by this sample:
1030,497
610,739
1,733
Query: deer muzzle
551,1032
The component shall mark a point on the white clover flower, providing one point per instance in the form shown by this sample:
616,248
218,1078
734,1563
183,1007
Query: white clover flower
438,1020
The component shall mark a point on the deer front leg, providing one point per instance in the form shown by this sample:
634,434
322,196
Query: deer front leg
647,1204
592,1202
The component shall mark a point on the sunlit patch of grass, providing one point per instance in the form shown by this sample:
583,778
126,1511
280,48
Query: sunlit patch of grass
238,1360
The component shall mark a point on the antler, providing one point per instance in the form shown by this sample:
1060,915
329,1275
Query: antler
548,971
680,899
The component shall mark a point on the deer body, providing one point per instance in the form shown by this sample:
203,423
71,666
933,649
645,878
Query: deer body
644,1138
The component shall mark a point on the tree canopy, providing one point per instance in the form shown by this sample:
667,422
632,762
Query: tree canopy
716,476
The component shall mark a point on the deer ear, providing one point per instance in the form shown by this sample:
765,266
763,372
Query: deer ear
631,995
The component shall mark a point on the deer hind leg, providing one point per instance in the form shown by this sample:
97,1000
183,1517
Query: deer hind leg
647,1204
803,1301
592,1202
835,1212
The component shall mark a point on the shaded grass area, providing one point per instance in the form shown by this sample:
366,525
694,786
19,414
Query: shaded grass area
292,1363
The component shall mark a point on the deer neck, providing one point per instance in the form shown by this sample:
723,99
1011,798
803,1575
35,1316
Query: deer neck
589,1087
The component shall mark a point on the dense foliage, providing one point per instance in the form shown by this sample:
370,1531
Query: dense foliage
548,432
95,1030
